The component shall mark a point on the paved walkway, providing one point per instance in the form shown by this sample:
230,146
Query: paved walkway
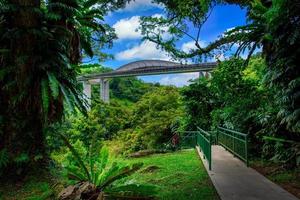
234,181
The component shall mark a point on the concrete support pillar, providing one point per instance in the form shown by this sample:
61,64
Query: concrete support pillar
201,74
87,94
208,75
204,74
104,90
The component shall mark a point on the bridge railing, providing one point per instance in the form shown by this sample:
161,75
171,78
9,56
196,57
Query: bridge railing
204,142
235,142
183,139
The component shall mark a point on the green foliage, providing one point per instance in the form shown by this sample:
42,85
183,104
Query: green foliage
96,166
239,93
129,88
4,159
233,97
92,68
198,101
272,25
42,43
282,56
103,122
238,98
152,119
285,152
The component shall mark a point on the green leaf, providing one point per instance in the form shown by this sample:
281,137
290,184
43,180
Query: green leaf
45,95
76,156
54,85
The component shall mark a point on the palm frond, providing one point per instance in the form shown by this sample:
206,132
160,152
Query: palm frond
45,95
53,84
124,172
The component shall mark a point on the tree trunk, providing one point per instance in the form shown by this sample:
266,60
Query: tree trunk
21,107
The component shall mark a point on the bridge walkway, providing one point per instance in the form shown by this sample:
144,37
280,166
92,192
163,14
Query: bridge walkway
233,180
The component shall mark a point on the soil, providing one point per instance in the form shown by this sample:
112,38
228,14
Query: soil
291,185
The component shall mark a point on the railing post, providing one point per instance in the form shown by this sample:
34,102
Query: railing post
234,142
217,137
246,150
209,160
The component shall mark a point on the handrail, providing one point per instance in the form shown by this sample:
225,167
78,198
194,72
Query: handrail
279,140
235,142
203,131
204,142
232,131
183,138
231,136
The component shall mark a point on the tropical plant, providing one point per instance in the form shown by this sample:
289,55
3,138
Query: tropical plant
278,150
97,167
41,44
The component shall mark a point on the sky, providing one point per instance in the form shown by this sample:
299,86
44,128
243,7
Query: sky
129,47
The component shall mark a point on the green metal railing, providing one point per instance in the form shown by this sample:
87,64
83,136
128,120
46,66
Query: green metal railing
204,142
235,142
186,139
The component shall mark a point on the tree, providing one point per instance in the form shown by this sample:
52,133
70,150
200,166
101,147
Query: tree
198,102
152,119
272,24
41,44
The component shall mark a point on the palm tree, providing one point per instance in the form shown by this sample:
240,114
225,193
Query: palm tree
41,43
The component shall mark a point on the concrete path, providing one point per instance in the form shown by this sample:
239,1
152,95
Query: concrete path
234,181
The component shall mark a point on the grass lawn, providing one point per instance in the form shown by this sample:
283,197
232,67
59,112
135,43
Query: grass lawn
179,175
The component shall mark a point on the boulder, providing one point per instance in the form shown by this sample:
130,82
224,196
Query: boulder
80,191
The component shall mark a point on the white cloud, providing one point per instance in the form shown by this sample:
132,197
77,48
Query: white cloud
178,80
145,50
140,5
188,46
127,28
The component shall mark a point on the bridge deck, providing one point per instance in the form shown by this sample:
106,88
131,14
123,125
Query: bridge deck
234,181
153,69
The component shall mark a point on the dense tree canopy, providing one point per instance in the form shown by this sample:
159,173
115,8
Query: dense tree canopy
151,123
272,25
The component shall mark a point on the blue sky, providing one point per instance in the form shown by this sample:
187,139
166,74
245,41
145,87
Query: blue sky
129,46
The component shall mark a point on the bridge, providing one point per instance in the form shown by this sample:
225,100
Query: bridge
140,68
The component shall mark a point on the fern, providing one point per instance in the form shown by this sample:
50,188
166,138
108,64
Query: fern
76,156
54,85
98,168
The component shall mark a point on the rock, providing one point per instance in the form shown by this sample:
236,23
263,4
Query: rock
101,196
80,191
68,193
